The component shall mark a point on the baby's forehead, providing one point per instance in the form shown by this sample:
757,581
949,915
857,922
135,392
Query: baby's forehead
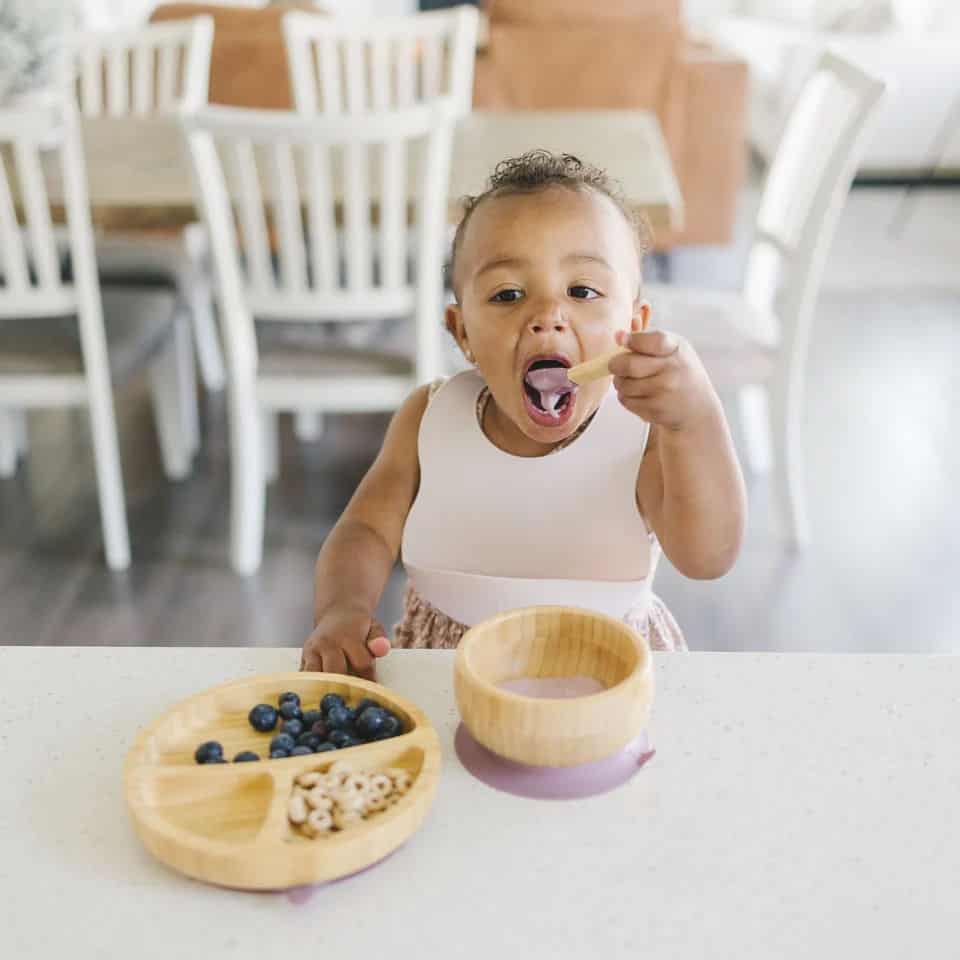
547,208
544,221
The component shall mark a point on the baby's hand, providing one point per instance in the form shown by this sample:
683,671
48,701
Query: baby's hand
662,380
345,642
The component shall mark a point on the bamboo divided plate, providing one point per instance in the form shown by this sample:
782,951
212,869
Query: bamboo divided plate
553,642
227,823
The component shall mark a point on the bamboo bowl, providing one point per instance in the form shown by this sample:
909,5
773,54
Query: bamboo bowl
542,642
227,823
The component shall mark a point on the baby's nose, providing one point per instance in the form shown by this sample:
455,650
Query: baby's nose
548,319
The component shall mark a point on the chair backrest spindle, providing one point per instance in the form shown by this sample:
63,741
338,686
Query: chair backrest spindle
358,65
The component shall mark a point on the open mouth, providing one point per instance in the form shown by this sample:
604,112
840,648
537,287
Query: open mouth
548,391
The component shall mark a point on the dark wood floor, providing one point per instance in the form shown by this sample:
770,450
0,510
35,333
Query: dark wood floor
883,449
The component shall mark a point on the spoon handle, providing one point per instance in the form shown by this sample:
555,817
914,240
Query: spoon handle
595,369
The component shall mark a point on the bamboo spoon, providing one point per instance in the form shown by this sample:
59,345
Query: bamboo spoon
595,369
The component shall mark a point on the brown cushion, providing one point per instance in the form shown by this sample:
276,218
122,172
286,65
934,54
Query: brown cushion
248,65
544,68
564,11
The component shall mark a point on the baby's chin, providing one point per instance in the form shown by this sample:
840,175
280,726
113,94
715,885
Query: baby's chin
550,430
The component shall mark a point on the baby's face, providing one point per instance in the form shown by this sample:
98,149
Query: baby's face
545,279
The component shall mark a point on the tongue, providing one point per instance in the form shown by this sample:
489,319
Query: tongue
552,383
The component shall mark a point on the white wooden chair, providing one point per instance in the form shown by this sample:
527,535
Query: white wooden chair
279,357
754,343
354,64
155,69
56,348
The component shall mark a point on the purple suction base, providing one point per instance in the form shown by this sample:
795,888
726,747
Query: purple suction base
552,783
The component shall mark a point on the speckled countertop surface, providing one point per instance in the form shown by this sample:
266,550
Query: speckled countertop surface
798,806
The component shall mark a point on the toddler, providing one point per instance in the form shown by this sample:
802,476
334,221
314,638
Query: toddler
506,486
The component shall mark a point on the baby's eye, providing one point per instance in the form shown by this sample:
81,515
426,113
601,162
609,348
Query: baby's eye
510,295
581,292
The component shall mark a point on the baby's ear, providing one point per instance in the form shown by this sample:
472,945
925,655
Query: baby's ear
641,316
453,320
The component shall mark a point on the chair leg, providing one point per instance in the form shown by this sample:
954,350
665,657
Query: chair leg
197,294
271,445
9,448
308,425
785,429
209,354
753,407
106,451
21,437
186,376
168,412
247,484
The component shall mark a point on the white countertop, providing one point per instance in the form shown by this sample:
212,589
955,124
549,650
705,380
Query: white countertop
798,806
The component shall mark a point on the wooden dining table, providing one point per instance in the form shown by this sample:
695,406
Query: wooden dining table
139,173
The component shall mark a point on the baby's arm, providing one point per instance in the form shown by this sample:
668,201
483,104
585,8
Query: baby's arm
359,554
689,488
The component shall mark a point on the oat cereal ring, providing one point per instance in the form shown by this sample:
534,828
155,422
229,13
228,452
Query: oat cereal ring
357,782
297,809
319,799
349,801
402,781
381,784
376,802
340,769
320,821
309,779
344,819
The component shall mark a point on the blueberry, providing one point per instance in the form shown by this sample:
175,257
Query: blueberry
290,710
364,703
300,752
282,741
293,727
371,722
324,748
320,729
330,701
351,742
209,752
310,740
391,728
279,754
289,695
338,738
246,756
340,718
310,717
263,717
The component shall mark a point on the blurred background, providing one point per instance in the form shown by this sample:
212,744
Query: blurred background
155,490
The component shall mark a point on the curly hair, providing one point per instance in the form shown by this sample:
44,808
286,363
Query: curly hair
538,170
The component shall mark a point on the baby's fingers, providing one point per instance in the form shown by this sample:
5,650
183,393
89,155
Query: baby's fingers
377,642
634,366
310,660
649,343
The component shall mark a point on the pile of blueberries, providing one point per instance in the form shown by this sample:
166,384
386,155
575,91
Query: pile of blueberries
335,726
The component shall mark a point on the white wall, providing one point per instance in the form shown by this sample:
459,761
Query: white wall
702,11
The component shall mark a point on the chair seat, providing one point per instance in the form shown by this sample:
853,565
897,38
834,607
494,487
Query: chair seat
311,349
736,340
137,323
